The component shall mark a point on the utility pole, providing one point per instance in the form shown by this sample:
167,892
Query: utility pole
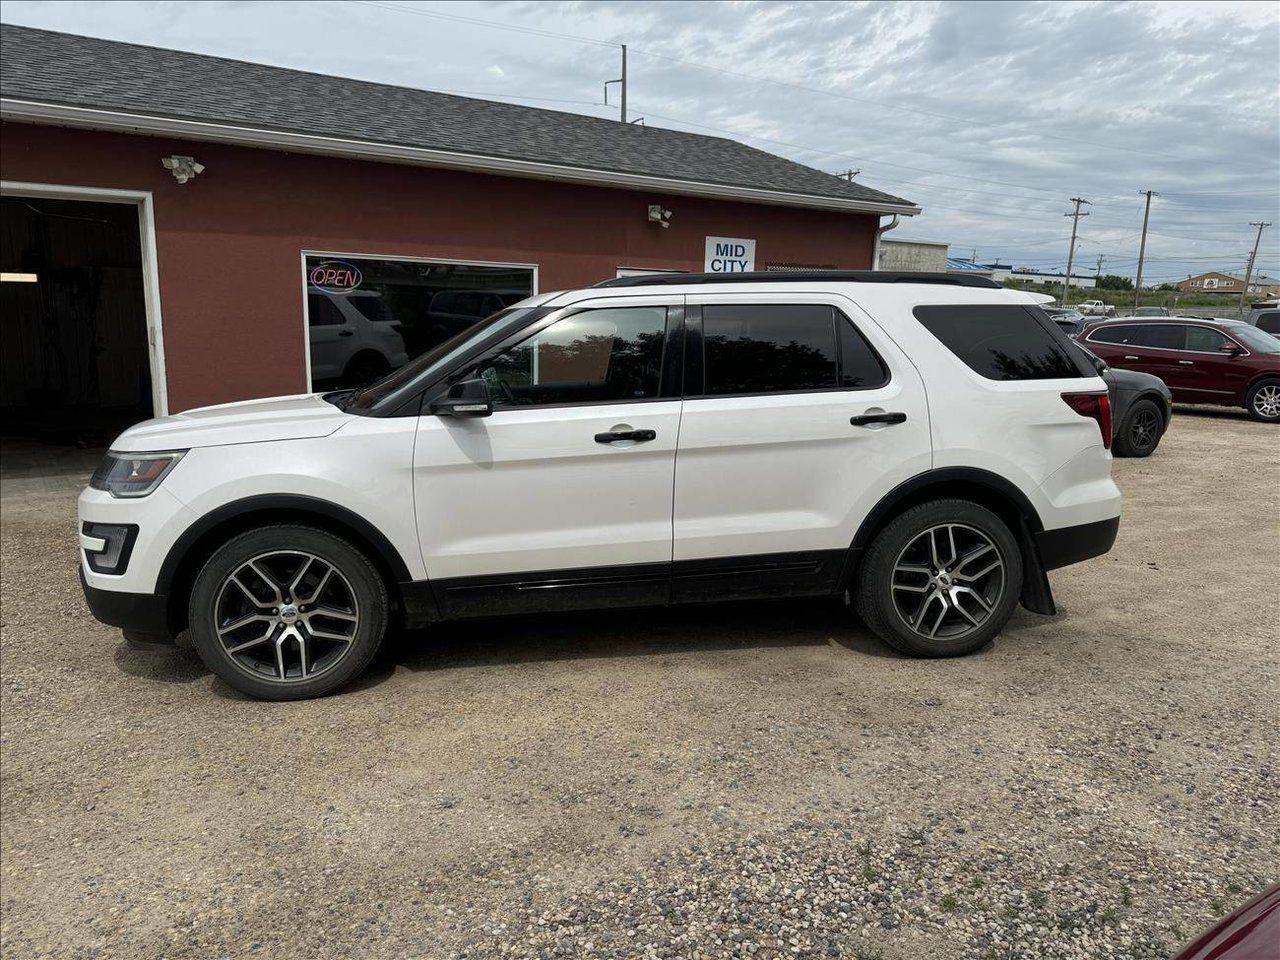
1248,273
1142,247
1075,216
621,80
848,174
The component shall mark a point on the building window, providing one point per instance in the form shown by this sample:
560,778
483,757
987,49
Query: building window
366,316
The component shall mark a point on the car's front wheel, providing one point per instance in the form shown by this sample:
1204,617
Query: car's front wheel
287,612
941,579
1263,401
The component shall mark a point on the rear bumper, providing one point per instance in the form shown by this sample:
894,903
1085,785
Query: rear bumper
1067,545
137,613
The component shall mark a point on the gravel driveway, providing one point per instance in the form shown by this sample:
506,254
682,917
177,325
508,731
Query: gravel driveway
746,781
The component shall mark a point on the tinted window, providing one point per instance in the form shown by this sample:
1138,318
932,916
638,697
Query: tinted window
769,348
1002,341
1270,322
1120,334
589,357
1161,336
1204,339
860,368
322,312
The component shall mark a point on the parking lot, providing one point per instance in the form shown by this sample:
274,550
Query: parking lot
762,780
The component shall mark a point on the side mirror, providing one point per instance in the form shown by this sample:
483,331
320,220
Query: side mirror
467,398
1098,364
1231,349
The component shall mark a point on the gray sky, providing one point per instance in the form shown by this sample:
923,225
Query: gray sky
990,115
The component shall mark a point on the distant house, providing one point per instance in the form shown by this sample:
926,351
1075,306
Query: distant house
1217,282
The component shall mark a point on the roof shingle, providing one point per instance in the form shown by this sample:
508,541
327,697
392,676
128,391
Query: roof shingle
67,70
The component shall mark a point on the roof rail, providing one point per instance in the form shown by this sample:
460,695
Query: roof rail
802,276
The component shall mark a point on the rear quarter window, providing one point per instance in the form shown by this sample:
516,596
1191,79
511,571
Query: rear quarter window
1003,341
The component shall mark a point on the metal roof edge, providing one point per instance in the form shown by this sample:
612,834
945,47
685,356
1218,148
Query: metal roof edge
29,111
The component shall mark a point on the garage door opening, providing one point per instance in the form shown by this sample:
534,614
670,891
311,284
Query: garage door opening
74,363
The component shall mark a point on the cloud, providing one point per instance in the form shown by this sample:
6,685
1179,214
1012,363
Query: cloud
991,115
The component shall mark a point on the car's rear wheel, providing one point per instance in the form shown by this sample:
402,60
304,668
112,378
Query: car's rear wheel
287,612
1140,431
940,580
1263,401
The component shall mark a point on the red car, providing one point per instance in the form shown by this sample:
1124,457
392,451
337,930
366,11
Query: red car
1251,933
1202,361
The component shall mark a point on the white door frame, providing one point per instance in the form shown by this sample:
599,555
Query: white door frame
150,269
306,318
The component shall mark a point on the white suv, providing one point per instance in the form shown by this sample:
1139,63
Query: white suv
924,446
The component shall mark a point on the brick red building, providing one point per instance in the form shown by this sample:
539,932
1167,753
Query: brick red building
129,289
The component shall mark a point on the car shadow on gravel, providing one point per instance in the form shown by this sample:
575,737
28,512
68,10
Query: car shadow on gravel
650,632
1210,413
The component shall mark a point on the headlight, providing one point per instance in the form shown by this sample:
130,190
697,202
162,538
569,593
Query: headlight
133,475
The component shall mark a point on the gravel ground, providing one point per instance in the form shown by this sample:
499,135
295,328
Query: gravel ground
746,781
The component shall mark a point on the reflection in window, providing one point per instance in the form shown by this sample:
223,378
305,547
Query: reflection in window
1000,341
589,357
768,348
388,311
1205,340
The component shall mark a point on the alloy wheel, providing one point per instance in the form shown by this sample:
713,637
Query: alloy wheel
1145,429
947,581
1266,401
286,616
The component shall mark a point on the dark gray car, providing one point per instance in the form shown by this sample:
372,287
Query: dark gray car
1141,407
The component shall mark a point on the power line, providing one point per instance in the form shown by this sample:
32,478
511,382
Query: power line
740,75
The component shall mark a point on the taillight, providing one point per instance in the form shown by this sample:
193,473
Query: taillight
1095,405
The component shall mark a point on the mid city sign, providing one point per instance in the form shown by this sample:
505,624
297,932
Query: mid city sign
729,255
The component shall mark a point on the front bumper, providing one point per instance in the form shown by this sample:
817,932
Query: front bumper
135,613
1067,545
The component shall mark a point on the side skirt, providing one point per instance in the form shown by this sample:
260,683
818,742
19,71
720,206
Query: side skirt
811,573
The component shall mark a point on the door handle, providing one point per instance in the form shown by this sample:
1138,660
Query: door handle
1186,363
346,333
639,436
870,418
1127,357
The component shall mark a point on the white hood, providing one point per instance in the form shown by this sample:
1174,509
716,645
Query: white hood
250,421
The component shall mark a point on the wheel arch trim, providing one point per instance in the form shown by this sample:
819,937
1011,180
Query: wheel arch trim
370,535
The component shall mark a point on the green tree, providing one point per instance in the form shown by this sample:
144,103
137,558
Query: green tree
1111,282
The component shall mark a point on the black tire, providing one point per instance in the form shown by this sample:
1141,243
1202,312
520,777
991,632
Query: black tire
1260,401
1140,430
874,598
364,368
347,659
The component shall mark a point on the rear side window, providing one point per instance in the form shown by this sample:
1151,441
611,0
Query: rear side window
784,348
1120,334
1002,341
1160,336
769,348
1270,322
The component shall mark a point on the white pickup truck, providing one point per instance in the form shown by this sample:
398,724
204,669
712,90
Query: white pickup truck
1096,308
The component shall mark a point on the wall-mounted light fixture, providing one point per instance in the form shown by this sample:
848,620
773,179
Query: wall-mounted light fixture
182,168
18,278
659,216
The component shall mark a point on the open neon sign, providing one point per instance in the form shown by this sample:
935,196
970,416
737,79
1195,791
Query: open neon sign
335,276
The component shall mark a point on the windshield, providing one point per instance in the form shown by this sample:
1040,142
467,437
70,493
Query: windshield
365,399
1257,340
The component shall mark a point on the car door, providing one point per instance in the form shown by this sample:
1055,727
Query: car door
561,498
1211,372
797,418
